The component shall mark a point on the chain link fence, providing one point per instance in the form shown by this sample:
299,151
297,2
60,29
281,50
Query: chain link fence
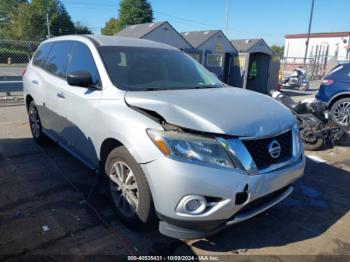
316,67
16,52
14,57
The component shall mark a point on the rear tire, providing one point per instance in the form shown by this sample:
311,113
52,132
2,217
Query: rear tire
340,112
128,188
35,126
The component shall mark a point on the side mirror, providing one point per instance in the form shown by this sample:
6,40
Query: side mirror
80,78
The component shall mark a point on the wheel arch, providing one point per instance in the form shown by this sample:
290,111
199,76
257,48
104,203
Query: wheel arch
338,97
28,100
106,147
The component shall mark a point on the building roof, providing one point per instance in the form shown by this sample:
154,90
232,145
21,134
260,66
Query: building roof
103,40
197,38
315,35
256,45
243,45
139,30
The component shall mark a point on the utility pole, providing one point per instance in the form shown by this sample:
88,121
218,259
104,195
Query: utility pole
227,12
48,25
308,32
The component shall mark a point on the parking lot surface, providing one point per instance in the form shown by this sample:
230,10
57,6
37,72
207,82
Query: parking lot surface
50,204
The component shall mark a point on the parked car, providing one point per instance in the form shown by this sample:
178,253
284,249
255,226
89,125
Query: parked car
335,92
174,143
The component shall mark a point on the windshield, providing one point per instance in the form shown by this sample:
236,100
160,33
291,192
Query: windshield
140,69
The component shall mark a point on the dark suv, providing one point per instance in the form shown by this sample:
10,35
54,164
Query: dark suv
335,92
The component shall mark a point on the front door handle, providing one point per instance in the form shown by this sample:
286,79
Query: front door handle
61,95
35,82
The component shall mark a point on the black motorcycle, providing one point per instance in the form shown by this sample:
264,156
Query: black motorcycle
315,124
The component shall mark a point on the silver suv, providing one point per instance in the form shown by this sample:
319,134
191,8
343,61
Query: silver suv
176,145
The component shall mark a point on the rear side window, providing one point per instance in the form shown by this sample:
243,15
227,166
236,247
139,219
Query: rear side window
82,60
57,60
41,54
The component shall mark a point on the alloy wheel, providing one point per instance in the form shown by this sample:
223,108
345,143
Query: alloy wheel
342,113
34,122
124,188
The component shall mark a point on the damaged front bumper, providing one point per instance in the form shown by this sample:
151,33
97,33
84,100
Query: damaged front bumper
183,231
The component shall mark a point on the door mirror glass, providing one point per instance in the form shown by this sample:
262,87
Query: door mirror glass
80,78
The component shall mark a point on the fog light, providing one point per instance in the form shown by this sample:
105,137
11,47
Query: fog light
192,205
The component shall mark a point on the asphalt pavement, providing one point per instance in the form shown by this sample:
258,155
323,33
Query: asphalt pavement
52,205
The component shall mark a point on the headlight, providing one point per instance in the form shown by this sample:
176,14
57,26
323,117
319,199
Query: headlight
186,146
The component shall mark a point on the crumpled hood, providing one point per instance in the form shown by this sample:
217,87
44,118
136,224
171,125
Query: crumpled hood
231,111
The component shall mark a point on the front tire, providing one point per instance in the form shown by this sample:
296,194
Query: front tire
304,86
311,141
128,188
35,125
340,112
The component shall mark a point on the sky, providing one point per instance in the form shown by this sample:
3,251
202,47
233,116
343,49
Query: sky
268,19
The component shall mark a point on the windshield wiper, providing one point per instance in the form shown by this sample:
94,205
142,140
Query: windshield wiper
207,86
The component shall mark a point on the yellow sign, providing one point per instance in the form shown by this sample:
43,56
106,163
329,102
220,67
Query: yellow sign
239,61
219,48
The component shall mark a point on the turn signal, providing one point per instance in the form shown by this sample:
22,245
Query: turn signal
159,142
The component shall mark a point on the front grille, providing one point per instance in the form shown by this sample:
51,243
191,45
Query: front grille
259,150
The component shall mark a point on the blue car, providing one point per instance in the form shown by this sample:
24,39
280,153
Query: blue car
335,92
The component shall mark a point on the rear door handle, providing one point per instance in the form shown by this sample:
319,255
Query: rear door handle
60,94
35,82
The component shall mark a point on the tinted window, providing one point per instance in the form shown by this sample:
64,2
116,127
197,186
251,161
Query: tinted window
137,68
58,57
82,60
41,54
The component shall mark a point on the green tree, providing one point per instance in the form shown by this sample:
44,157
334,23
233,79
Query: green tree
278,50
6,7
81,29
59,20
111,27
134,12
18,25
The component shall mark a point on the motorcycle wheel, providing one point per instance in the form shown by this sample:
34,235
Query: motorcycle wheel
314,146
304,87
311,142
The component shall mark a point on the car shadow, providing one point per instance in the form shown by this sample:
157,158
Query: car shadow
319,200
57,181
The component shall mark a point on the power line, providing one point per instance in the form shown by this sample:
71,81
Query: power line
214,26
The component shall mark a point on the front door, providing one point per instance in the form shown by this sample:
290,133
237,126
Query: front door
81,107
227,65
238,72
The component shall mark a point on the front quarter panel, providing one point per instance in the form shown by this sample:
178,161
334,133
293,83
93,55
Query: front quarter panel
118,121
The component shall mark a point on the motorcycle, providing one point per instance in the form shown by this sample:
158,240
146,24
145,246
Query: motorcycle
296,80
315,125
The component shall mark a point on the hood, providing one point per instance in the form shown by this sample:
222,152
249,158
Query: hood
231,111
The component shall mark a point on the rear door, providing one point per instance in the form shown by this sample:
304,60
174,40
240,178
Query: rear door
34,82
54,78
80,106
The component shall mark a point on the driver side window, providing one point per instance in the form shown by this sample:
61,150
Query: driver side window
82,60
